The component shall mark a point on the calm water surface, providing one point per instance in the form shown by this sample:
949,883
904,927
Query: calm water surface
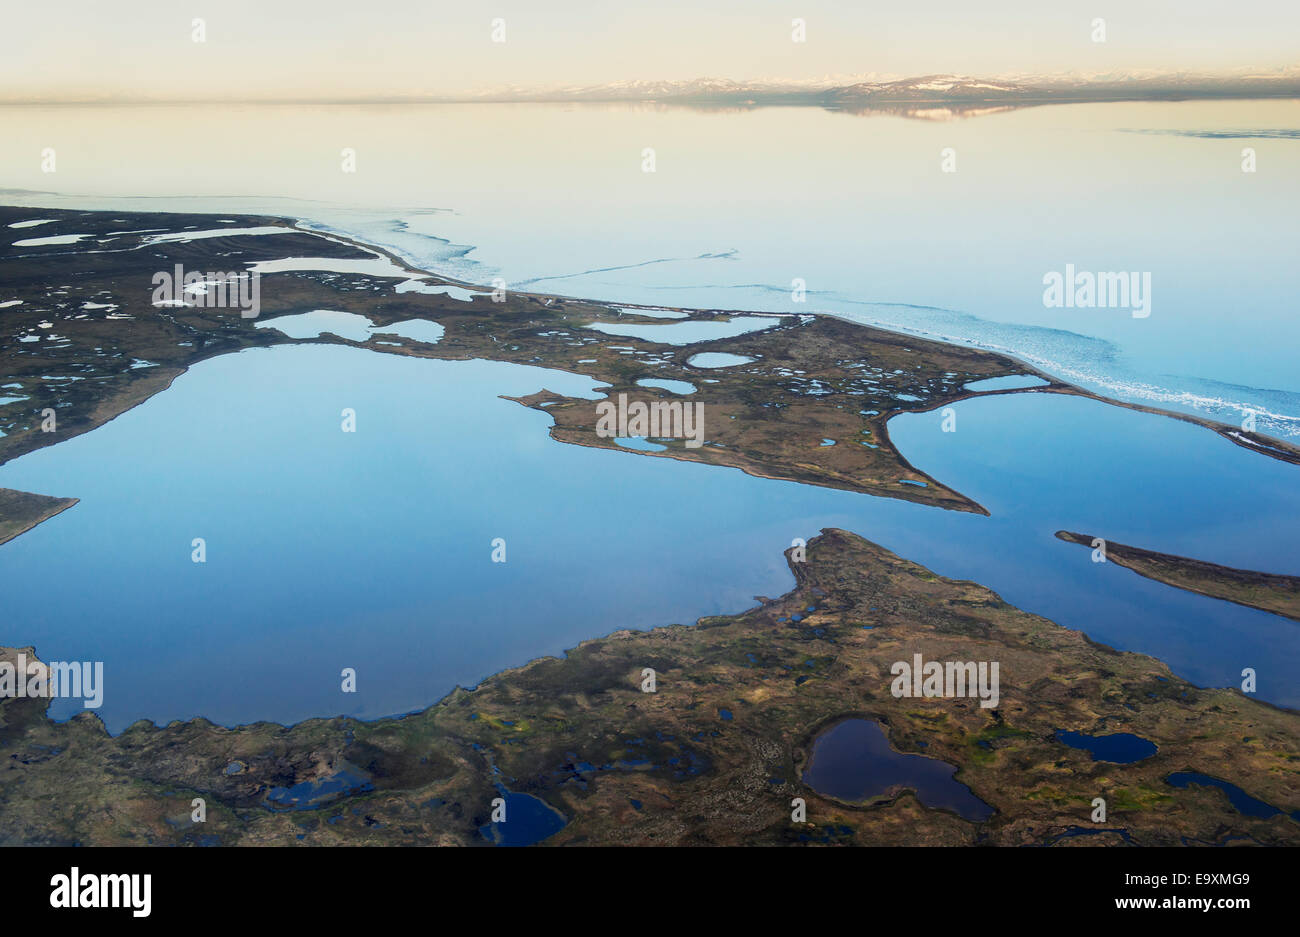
372,549
853,760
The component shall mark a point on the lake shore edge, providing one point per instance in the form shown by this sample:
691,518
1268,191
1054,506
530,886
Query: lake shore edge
572,427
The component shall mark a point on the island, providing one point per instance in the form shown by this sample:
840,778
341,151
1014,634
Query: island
1269,592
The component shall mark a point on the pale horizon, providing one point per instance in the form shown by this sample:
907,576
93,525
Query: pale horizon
82,51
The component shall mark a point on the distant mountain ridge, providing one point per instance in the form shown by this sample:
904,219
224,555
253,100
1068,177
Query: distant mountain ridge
938,89
872,92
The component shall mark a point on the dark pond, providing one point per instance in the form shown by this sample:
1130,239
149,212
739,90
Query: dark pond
1240,800
853,761
1122,748
528,820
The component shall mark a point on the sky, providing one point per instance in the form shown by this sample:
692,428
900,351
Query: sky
330,49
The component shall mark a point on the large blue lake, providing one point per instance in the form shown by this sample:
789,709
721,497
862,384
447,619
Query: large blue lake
373,549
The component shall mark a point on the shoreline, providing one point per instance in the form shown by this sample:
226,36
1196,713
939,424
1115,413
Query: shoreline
469,321
528,718
1259,443
158,380
559,727
761,604
1280,592
1270,446
31,509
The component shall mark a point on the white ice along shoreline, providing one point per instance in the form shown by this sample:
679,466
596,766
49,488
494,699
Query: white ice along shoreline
1270,421
1097,365
1044,348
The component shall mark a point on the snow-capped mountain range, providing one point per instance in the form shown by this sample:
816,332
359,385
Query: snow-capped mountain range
925,89
867,92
